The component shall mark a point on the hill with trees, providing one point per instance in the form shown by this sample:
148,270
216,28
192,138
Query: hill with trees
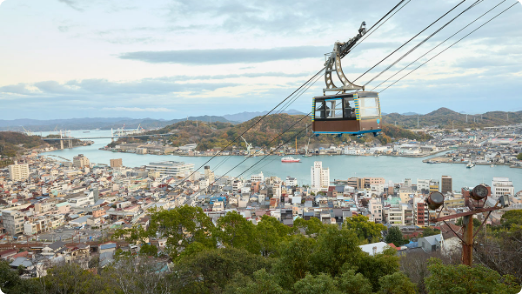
265,133
447,118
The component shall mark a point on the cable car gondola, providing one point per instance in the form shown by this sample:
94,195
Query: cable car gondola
351,110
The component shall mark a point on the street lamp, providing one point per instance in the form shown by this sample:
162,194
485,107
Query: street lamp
479,196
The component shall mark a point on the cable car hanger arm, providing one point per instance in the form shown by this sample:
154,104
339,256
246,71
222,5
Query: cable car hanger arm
334,59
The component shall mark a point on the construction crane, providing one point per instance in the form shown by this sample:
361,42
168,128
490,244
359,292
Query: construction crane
248,146
28,133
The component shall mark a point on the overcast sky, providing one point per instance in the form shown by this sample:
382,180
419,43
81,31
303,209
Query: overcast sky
169,59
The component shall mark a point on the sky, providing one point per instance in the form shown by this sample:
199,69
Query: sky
170,59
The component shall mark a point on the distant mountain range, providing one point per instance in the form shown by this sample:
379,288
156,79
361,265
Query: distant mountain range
441,117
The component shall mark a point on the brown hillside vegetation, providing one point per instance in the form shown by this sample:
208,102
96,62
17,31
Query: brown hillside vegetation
266,133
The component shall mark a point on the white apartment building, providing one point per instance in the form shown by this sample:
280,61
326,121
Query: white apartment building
375,208
209,175
290,181
81,161
18,172
423,185
257,177
320,177
13,221
501,186
171,168
81,201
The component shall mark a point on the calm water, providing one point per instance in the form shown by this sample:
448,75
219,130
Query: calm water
395,169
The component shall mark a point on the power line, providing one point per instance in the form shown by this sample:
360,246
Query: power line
451,45
410,39
424,41
439,45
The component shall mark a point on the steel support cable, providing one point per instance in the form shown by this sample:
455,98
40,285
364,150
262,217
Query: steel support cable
400,47
275,138
456,42
303,90
391,10
368,33
439,44
424,41
283,108
257,122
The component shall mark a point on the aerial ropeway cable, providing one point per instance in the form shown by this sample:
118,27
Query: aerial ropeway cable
456,42
400,47
424,41
472,22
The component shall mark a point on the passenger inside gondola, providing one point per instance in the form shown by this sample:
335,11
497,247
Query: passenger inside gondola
349,112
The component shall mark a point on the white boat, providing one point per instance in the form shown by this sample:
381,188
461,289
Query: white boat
290,159
470,165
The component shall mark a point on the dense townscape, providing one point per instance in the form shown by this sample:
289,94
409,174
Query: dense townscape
76,212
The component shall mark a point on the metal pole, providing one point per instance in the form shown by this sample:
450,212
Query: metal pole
467,244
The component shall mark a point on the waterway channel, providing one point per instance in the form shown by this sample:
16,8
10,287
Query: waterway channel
394,169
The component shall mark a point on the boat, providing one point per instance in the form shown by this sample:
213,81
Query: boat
431,161
470,165
290,159
86,131
492,165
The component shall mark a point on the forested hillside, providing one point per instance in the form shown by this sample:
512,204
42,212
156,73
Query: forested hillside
266,133
447,118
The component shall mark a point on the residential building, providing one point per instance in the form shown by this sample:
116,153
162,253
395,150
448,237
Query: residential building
291,181
257,177
502,186
209,175
420,212
375,208
171,168
434,186
13,221
423,186
117,162
447,184
81,161
320,177
18,172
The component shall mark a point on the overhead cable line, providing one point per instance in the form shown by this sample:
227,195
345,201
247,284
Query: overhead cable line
451,45
370,32
257,122
438,45
400,47
274,139
424,41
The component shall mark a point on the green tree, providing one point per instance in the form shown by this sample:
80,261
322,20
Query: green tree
476,222
294,261
10,282
211,270
311,226
379,265
270,233
464,279
367,232
335,247
149,250
519,156
261,283
395,236
396,283
320,284
430,232
511,219
237,232
350,282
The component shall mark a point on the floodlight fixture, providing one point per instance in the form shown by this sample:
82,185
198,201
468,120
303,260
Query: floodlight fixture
479,192
435,200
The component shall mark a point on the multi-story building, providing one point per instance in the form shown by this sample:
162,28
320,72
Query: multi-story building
447,184
171,168
209,175
423,186
81,161
434,186
81,200
13,221
257,177
18,172
420,212
502,186
291,181
375,208
320,177
117,162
